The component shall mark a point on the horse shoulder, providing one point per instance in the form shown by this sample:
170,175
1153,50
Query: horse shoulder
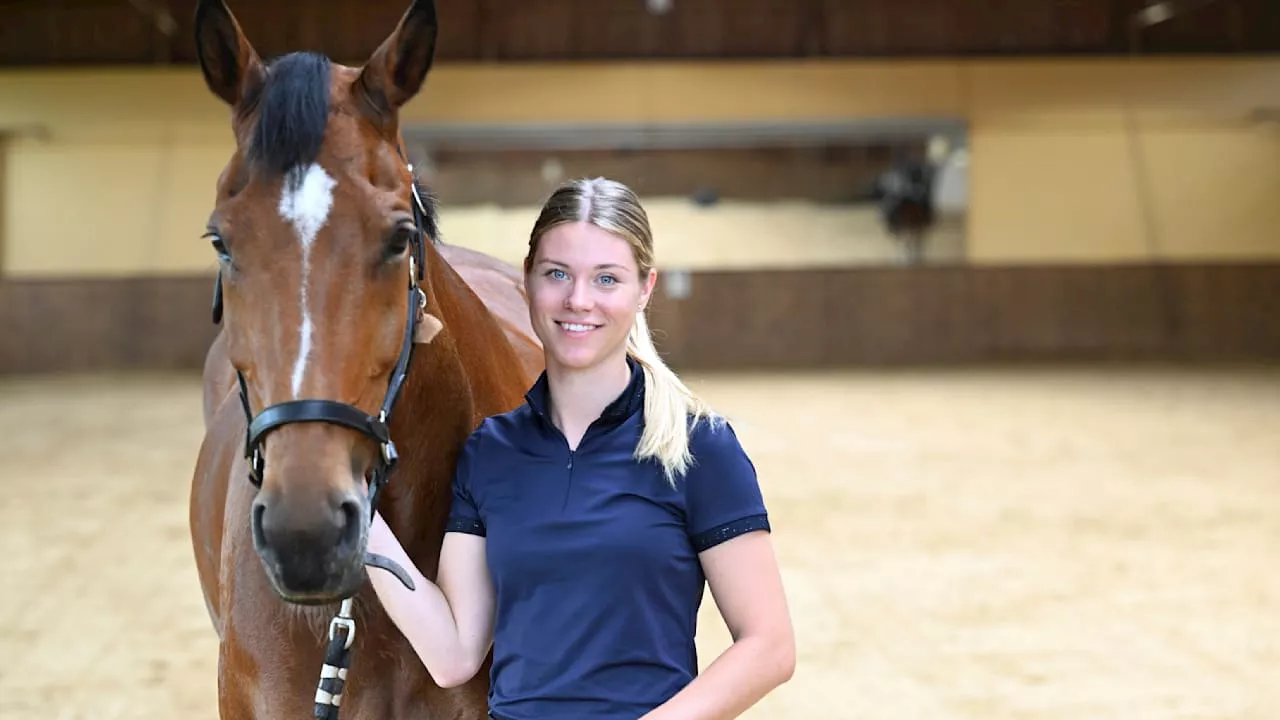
500,286
209,497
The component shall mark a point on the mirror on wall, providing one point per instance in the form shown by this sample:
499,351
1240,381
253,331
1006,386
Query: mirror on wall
887,193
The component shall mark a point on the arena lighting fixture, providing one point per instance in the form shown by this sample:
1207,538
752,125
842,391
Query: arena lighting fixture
1158,12
659,7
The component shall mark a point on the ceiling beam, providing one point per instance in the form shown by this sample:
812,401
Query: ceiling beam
669,136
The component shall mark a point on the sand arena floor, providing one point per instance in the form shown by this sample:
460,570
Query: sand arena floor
991,544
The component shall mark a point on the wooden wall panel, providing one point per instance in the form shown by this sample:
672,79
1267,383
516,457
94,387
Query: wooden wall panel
94,325
747,320
885,316
40,32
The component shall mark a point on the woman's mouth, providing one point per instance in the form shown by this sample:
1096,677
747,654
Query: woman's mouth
576,329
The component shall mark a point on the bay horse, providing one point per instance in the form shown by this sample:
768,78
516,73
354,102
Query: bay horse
353,343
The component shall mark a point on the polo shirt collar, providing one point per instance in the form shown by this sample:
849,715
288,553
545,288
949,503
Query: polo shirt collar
628,402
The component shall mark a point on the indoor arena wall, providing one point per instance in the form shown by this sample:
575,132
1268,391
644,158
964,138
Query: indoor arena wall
1147,179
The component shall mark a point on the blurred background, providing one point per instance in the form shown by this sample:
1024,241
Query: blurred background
991,287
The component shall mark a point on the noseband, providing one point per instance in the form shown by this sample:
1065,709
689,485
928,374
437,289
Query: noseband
342,628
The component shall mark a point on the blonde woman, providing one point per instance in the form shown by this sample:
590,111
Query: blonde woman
586,522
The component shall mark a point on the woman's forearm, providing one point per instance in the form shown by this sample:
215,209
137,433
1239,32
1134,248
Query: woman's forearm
746,672
424,615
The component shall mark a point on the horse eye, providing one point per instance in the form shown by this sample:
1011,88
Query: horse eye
399,240
219,246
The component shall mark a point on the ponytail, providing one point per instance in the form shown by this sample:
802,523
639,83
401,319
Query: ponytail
668,407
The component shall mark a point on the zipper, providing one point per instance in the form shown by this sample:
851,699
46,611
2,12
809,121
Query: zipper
568,486
568,466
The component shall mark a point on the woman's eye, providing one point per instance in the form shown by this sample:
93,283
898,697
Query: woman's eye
556,274
607,279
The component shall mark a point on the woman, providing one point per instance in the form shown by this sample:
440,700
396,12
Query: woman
585,522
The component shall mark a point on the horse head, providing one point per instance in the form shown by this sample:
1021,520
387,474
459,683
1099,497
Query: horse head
320,236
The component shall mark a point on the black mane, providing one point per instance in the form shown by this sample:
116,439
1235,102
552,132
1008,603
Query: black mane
293,114
430,221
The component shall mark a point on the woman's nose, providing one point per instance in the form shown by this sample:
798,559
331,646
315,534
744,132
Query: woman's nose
578,298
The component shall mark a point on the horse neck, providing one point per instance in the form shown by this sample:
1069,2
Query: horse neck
468,372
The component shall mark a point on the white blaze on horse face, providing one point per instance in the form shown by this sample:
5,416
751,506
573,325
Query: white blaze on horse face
306,204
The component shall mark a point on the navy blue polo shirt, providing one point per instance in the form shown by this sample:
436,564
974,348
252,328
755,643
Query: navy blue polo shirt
594,556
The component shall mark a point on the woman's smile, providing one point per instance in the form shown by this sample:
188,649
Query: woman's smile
576,329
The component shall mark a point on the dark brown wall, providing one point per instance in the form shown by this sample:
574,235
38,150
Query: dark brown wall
70,32
88,325
779,319
967,314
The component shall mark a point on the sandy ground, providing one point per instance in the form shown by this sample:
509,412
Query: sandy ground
991,544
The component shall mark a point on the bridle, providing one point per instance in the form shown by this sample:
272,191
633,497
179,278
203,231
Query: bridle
342,627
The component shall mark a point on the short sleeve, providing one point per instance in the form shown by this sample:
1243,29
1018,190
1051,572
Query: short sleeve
464,514
722,494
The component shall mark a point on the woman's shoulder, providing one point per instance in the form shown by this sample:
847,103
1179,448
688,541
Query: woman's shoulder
502,429
713,436
715,450
494,443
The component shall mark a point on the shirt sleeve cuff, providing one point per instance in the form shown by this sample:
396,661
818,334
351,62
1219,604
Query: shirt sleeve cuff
716,535
465,525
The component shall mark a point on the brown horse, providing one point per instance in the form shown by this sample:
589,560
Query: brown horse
361,348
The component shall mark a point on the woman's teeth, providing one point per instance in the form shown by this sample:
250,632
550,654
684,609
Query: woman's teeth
576,327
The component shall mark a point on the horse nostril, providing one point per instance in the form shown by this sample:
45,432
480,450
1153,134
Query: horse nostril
352,516
256,522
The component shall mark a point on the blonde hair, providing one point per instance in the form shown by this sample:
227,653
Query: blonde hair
671,409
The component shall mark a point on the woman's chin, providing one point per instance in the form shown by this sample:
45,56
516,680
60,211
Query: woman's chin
576,359
579,357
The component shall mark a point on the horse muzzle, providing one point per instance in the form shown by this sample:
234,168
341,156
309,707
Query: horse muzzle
313,551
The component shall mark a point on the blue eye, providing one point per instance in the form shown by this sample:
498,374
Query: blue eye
607,279
556,273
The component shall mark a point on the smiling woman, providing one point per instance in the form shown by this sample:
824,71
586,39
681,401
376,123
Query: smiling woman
586,523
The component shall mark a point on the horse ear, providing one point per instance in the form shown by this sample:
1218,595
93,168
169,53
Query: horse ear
396,70
229,63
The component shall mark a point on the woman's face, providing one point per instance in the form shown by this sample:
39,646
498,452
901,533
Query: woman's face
584,291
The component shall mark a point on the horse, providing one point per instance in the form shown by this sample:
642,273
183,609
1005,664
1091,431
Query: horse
355,347
905,196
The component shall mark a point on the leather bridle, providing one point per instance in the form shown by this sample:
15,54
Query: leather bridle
342,628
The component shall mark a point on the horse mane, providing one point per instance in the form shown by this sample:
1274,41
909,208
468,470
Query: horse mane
293,112
430,220
293,115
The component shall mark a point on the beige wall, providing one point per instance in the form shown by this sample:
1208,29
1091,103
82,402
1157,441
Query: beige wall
1120,161
111,172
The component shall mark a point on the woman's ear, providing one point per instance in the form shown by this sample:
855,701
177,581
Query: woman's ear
647,289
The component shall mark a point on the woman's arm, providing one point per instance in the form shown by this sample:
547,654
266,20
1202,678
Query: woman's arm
449,624
744,580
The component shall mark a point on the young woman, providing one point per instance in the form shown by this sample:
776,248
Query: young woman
586,522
